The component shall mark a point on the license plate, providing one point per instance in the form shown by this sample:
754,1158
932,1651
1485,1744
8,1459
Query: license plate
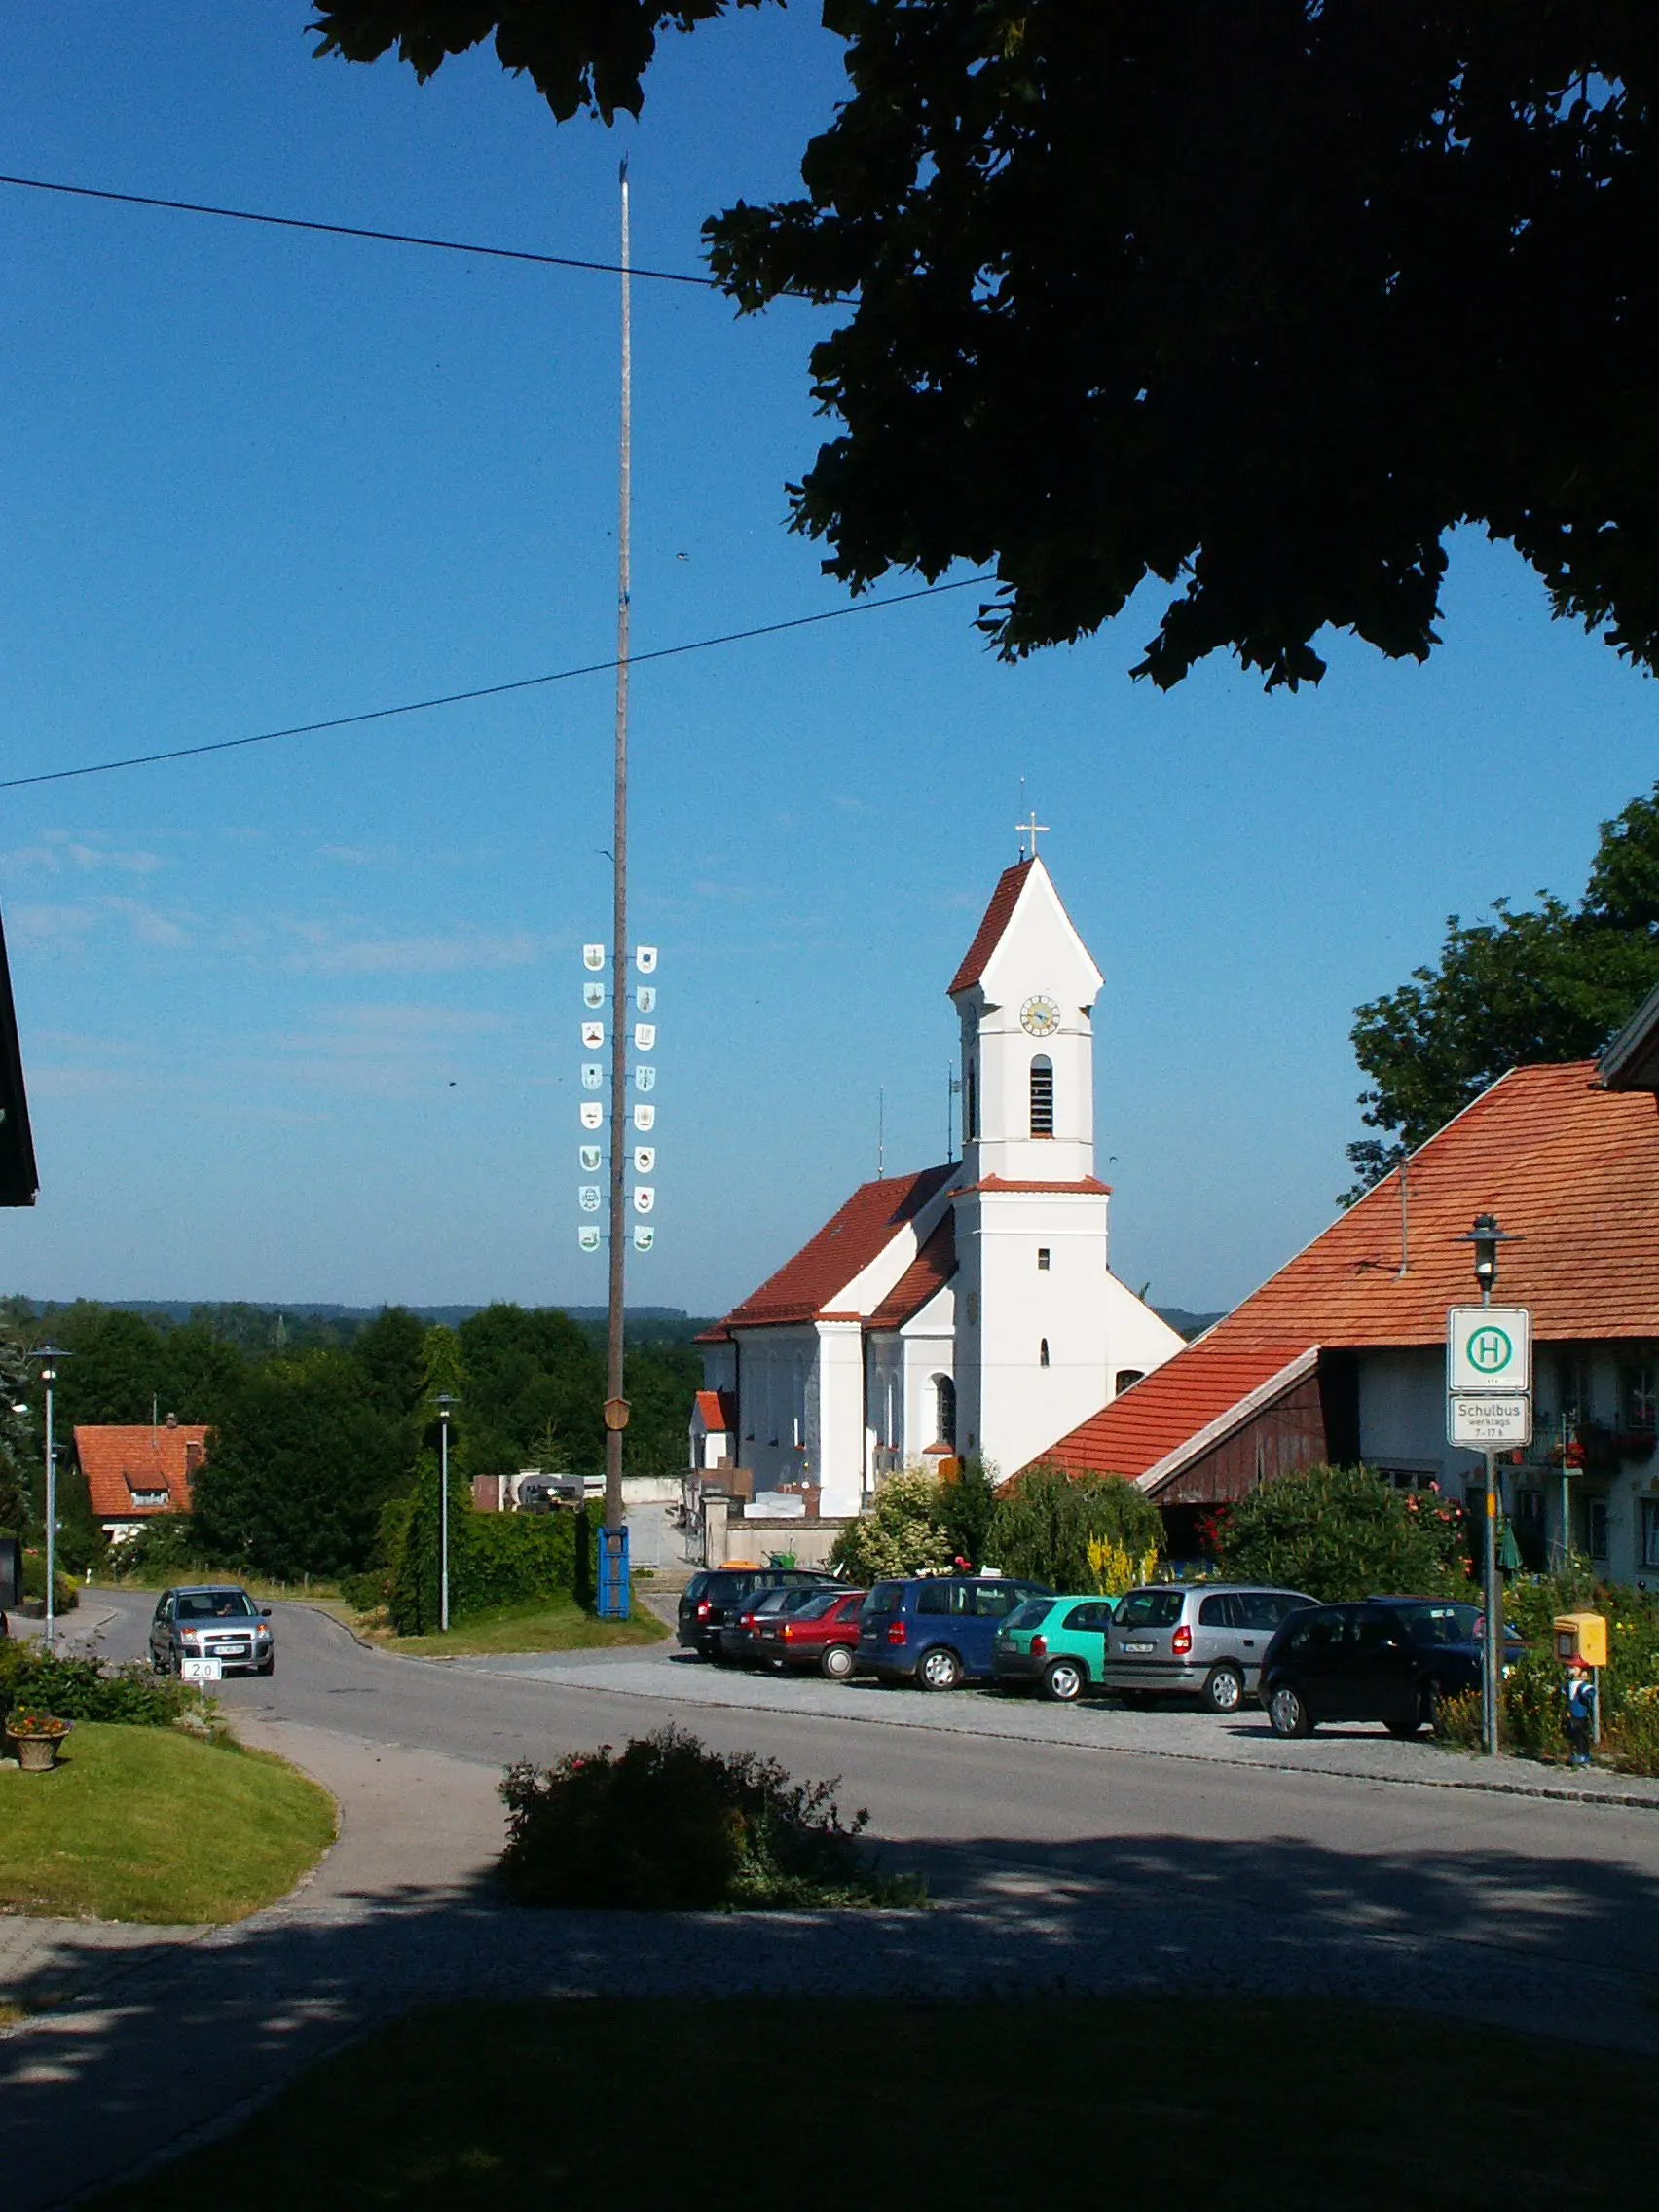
201,1670
1140,1648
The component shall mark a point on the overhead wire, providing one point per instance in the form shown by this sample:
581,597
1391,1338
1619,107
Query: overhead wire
490,691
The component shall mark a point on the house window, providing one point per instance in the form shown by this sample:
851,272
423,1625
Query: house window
944,1411
1596,1527
1041,1259
1041,1096
1124,1376
1638,1390
1573,1388
1651,1531
1042,1353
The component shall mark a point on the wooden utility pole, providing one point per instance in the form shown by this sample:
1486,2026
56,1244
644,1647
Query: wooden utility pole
616,1414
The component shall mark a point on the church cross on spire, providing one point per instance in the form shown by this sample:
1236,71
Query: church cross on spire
1032,830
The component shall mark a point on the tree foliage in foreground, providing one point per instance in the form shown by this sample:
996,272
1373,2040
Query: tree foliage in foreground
1047,1522
1550,983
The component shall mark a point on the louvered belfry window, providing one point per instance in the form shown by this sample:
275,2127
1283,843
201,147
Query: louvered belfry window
1041,1096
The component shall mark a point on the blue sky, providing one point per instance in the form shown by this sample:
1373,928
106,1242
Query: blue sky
302,1021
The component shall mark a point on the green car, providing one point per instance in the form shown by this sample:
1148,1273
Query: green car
1057,1644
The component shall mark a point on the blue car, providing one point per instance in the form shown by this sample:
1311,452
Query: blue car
935,1631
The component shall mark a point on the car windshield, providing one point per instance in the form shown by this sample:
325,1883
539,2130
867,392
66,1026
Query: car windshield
1150,1608
1031,1615
819,1604
214,1606
721,1589
1429,1624
885,1597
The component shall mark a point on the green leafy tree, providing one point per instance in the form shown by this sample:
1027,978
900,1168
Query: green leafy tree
297,1475
661,1380
903,1533
391,1353
523,1370
1045,1521
117,1370
1342,1532
1552,983
1259,301
20,1446
968,1503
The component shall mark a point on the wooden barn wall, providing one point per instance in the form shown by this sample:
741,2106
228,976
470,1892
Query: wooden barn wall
1282,1437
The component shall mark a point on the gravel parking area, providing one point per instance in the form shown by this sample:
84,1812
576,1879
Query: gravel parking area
1168,1731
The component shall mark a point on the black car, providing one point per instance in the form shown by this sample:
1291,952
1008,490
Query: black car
1387,1659
714,1597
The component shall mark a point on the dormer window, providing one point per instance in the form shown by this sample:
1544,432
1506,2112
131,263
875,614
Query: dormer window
1041,1096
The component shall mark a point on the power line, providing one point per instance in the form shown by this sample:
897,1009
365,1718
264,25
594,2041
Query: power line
382,238
490,691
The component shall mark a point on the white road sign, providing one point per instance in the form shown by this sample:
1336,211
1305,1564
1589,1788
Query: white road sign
1489,1423
201,1670
1488,1349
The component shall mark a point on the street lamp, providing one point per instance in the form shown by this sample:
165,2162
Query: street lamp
48,1356
443,1403
1485,1236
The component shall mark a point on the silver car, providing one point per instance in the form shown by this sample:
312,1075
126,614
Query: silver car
1196,1639
211,1620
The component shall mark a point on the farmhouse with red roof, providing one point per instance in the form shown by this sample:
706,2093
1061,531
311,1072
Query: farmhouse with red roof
133,1474
1341,1355
967,1308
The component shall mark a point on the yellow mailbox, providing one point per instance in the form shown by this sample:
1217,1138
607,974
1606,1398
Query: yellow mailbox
1581,1635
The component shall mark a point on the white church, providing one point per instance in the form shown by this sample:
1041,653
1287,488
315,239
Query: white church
964,1310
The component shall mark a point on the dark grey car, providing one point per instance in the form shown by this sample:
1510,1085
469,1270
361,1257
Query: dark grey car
211,1620
1196,1639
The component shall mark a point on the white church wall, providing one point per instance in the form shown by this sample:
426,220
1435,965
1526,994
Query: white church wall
720,1366
837,1452
774,1387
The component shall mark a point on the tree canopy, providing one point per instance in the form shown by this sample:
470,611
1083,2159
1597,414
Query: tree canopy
1551,982
1259,302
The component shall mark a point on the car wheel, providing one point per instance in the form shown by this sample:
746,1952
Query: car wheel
939,1669
1224,1690
1288,1713
1430,1705
1132,1697
267,1666
837,1662
1404,1727
1063,1681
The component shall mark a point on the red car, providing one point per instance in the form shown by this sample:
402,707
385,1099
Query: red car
823,1633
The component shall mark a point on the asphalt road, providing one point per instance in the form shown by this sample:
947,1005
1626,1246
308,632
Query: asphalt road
1571,1889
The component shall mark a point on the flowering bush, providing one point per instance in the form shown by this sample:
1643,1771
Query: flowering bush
1063,1529
667,1824
1342,1532
27,1720
905,1531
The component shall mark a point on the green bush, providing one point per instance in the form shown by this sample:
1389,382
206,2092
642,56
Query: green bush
668,1826
1342,1532
167,1545
904,1533
494,1559
967,1506
66,1594
1046,1522
80,1689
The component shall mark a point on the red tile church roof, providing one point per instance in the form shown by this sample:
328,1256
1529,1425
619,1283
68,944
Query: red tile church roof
997,914
927,1274
803,1288
716,1411
1571,1170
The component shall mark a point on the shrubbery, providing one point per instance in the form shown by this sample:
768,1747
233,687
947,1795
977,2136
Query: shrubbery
67,1593
80,1689
494,1559
1076,1532
1343,1533
903,1533
667,1824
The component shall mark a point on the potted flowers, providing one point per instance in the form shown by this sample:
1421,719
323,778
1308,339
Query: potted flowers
35,1737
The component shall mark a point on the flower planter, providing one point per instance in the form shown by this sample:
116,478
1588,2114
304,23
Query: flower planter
37,1741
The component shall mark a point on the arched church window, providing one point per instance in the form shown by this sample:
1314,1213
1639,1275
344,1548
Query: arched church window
1041,1096
1042,1353
945,1409
971,1104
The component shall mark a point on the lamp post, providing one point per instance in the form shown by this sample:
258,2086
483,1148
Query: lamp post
1485,1236
443,1402
48,1356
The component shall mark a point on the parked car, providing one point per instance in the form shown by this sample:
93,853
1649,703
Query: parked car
211,1620
821,1633
737,1632
709,1597
1056,1643
937,1631
1200,1638
1387,1659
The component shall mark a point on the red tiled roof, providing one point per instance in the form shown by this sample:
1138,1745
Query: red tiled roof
716,1411
119,1461
927,1274
803,1287
1571,1171
997,914
1169,1406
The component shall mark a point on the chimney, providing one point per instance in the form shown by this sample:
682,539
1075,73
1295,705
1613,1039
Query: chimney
172,1421
192,1459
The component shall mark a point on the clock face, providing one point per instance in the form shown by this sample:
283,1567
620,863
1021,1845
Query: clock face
1040,1017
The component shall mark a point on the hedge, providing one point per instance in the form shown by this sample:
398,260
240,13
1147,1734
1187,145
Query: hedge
494,1559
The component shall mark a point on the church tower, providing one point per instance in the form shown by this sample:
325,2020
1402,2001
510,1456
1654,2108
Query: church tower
1043,1331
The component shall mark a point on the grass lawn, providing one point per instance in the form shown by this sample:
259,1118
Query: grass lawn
543,1624
1187,2100
147,1824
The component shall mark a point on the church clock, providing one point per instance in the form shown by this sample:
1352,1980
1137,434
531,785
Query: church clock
1039,1016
